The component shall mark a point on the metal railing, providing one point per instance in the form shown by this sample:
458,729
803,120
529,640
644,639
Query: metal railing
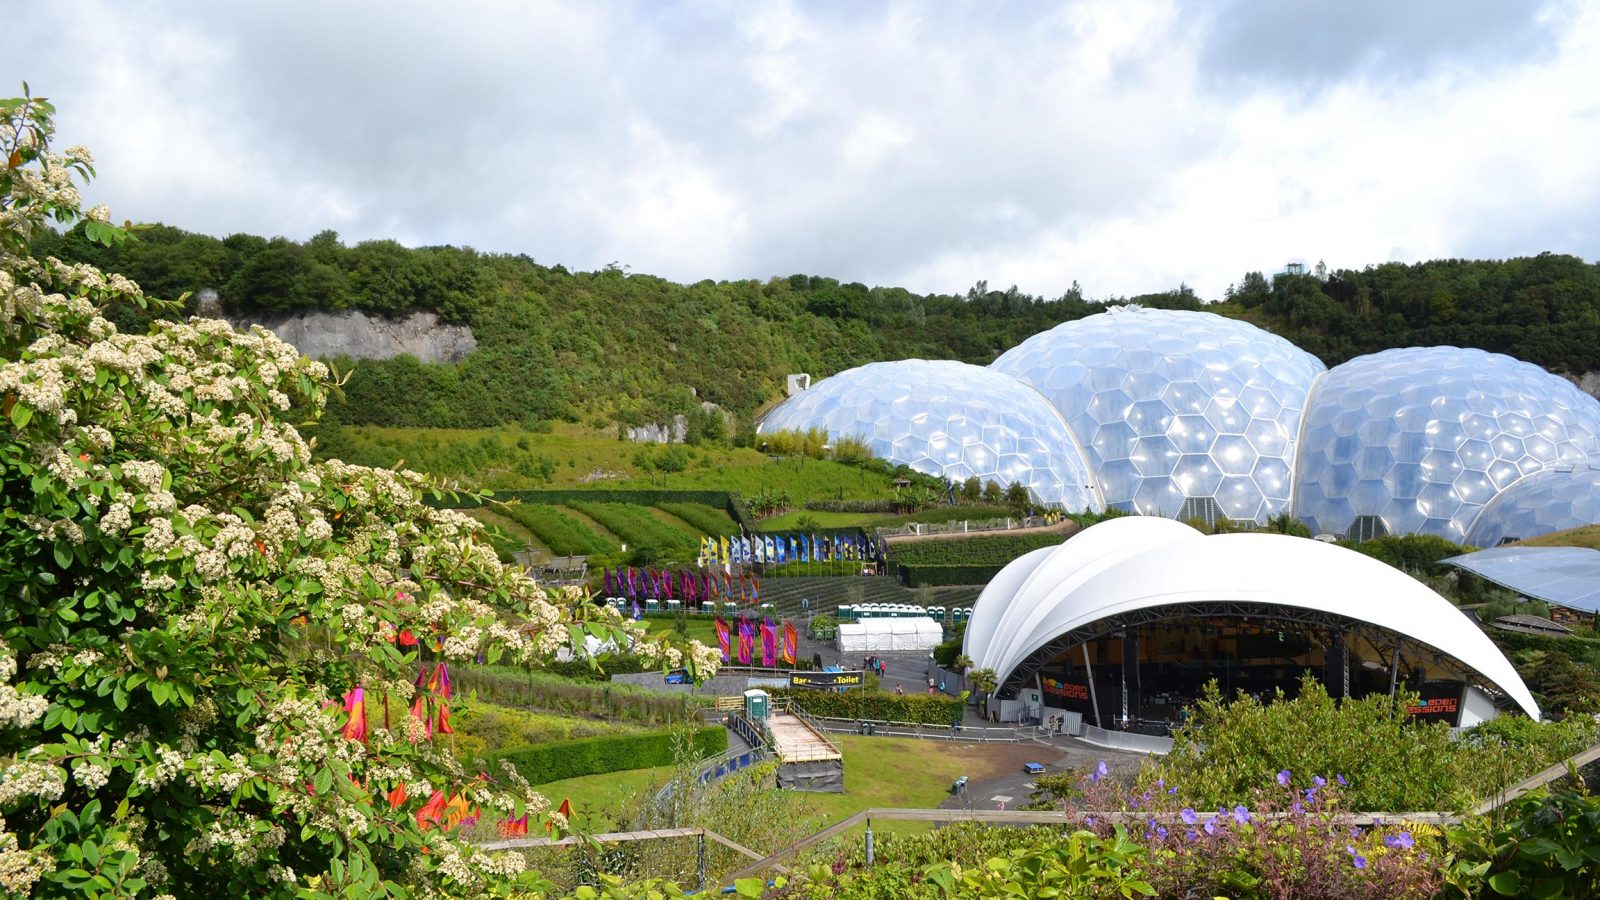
832,751
989,734
917,529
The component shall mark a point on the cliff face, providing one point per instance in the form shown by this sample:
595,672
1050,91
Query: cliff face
324,335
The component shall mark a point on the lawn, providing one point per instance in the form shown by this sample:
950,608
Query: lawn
598,799
906,772
1586,536
574,456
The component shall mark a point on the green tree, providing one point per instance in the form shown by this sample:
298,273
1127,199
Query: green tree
190,597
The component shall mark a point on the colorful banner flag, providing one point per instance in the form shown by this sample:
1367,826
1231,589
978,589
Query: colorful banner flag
791,643
725,558
769,644
721,627
746,640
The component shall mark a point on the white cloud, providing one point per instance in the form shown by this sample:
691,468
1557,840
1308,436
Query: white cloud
1128,146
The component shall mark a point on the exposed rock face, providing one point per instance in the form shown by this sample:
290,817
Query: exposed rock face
352,333
1589,383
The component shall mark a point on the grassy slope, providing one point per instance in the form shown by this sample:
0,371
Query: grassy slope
878,771
511,458
1587,536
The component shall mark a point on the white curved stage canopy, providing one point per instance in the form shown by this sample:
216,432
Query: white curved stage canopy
1140,567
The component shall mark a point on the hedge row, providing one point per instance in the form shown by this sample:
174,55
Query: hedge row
553,694
939,576
720,499
564,535
927,709
978,550
708,519
636,526
598,755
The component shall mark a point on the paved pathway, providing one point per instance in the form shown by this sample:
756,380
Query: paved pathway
1011,789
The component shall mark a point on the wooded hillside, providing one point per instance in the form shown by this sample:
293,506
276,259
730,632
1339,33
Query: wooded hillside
610,346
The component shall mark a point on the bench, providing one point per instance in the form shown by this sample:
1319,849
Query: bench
959,786
1033,768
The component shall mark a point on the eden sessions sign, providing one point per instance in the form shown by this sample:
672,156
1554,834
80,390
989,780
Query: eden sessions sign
1065,689
853,679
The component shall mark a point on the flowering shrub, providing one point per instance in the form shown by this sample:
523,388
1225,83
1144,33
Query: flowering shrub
1288,841
196,613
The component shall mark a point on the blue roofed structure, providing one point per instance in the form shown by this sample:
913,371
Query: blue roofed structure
1562,576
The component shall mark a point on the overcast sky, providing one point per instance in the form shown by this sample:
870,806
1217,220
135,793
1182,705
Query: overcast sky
1127,146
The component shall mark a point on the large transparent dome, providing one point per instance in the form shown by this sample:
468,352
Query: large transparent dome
949,419
1422,439
1549,501
1181,413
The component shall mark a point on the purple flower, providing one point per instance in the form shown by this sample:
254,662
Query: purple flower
1319,781
1211,826
1400,841
1161,832
1296,808
1192,835
1311,794
1172,790
1342,782
1283,778
1357,859
1161,783
1355,832
1188,816
1099,772
1241,815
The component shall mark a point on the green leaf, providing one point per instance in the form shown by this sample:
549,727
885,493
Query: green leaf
1506,884
21,413
749,887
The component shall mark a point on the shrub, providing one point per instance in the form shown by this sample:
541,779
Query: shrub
556,694
978,550
925,709
597,755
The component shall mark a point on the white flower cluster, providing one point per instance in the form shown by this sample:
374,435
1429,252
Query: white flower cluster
17,709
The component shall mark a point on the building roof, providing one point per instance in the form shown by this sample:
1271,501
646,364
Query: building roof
1565,576
1140,563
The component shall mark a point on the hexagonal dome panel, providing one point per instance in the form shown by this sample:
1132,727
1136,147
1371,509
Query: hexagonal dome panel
1171,385
1551,500
1427,437
948,419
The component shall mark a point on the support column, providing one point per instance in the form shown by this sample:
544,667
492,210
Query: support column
1336,667
1394,669
1130,672
1094,698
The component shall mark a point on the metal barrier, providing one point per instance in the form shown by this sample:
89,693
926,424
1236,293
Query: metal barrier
1001,734
1126,740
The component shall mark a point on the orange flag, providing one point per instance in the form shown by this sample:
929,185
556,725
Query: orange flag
355,703
432,812
444,720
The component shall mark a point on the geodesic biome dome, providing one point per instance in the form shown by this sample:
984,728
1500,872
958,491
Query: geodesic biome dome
948,419
1181,413
1421,439
1545,502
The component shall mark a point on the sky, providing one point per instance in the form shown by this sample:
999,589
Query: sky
1124,145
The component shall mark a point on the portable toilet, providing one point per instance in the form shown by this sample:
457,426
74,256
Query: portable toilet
652,605
674,606
730,607
756,703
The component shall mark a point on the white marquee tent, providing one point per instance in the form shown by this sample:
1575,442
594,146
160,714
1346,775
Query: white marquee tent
889,635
